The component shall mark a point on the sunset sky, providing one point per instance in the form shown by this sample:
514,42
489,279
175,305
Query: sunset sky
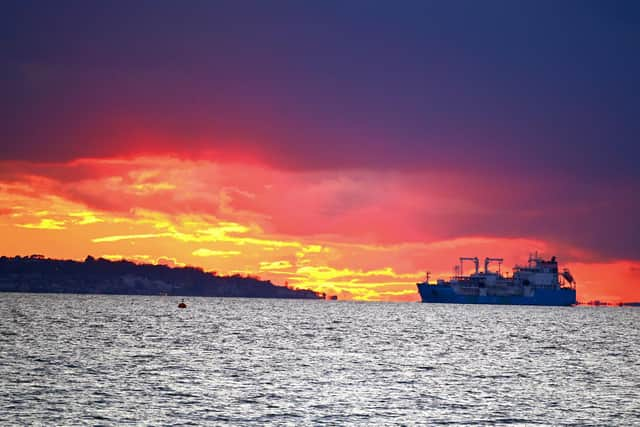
343,146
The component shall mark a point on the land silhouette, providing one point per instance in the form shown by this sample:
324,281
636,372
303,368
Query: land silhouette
35,273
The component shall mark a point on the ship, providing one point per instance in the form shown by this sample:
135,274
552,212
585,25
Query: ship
539,282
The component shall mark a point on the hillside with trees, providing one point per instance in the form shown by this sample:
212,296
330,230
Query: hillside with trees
36,273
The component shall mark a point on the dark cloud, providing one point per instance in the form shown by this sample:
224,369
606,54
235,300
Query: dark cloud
538,97
526,87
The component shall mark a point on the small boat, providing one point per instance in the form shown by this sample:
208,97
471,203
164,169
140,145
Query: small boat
182,304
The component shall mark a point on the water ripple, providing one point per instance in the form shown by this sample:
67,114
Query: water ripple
122,360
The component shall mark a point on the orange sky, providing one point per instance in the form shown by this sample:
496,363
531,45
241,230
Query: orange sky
358,234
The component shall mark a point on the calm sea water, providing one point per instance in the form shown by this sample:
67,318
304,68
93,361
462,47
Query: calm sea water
115,360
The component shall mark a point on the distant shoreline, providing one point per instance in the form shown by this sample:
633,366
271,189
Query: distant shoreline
37,274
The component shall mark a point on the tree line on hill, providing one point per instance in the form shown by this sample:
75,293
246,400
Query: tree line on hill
35,273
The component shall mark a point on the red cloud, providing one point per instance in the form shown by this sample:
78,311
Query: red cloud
383,207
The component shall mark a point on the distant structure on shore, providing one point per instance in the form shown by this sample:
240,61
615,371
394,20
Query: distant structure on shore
598,303
36,273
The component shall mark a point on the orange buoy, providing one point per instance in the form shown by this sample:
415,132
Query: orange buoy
182,304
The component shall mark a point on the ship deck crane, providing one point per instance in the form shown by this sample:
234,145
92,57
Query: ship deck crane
567,275
475,261
488,260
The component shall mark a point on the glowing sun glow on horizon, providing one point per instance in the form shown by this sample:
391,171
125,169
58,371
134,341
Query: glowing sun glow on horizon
314,230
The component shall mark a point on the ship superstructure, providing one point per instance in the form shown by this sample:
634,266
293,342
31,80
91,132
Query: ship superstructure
539,282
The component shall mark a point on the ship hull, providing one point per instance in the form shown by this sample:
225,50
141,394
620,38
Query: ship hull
445,294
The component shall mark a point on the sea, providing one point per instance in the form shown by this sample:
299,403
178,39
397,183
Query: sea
140,360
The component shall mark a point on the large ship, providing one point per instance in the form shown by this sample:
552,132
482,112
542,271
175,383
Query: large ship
537,283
